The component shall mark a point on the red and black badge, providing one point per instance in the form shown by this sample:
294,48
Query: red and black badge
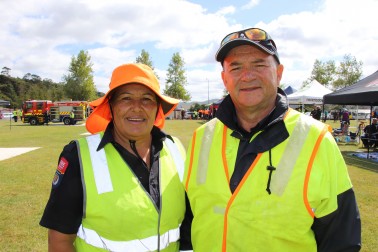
60,170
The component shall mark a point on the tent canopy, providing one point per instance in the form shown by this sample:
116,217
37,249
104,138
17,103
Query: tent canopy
311,94
289,90
363,92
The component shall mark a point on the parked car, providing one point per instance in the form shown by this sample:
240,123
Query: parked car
6,115
188,115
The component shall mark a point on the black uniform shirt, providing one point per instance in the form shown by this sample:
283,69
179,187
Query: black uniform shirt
64,209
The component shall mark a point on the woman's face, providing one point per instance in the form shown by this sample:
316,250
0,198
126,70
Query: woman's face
134,111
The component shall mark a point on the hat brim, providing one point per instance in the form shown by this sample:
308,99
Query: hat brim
223,51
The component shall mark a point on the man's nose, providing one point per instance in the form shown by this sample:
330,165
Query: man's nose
248,74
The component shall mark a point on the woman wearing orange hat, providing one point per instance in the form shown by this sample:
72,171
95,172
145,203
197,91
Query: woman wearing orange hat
120,188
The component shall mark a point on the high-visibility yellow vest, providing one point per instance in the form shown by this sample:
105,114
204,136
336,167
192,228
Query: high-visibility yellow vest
119,214
310,173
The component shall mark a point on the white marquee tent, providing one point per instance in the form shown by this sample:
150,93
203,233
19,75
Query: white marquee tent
311,94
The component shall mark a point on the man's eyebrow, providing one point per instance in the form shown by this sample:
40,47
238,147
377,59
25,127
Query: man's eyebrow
258,61
235,63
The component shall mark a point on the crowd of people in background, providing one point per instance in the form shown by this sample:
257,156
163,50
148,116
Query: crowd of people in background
201,114
367,133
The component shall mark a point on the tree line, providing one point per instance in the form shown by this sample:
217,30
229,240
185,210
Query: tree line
78,84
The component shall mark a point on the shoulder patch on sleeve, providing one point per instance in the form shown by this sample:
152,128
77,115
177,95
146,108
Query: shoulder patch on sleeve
62,166
60,170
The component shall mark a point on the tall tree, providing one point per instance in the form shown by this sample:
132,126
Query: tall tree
348,72
176,79
5,71
79,81
327,73
33,78
323,72
144,58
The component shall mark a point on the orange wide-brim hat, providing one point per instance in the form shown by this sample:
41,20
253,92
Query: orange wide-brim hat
123,75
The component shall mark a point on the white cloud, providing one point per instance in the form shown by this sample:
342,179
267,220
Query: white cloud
251,4
226,10
41,36
336,29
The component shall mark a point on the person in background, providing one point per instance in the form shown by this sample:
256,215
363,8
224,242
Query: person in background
335,116
325,115
46,117
19,112
200,112
259,176
15,115
344,121
120,189
72,117
370,137
316,113
345,117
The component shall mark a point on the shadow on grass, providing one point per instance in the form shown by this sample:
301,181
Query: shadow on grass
360,162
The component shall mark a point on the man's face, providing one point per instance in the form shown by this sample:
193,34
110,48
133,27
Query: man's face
251,77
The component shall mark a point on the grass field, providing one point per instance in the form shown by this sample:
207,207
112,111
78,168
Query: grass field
25,181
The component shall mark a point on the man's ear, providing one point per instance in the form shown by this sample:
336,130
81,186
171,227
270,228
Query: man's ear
224,80
280,69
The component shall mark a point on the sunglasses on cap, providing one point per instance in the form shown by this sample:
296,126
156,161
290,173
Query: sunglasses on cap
254,34
257,36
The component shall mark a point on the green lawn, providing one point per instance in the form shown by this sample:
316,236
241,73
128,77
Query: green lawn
25,181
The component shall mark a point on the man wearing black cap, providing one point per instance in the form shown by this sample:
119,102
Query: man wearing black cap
259,176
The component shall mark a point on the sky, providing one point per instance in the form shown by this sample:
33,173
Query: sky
41,36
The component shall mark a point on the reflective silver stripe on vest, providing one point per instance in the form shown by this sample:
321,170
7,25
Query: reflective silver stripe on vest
100,165
146,244
177,158
203,159
281,175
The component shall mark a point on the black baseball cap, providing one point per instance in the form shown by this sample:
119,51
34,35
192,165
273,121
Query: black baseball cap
251,36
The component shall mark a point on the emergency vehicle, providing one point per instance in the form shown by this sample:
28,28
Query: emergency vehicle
36,111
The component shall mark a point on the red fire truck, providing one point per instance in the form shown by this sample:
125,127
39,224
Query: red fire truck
35,112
